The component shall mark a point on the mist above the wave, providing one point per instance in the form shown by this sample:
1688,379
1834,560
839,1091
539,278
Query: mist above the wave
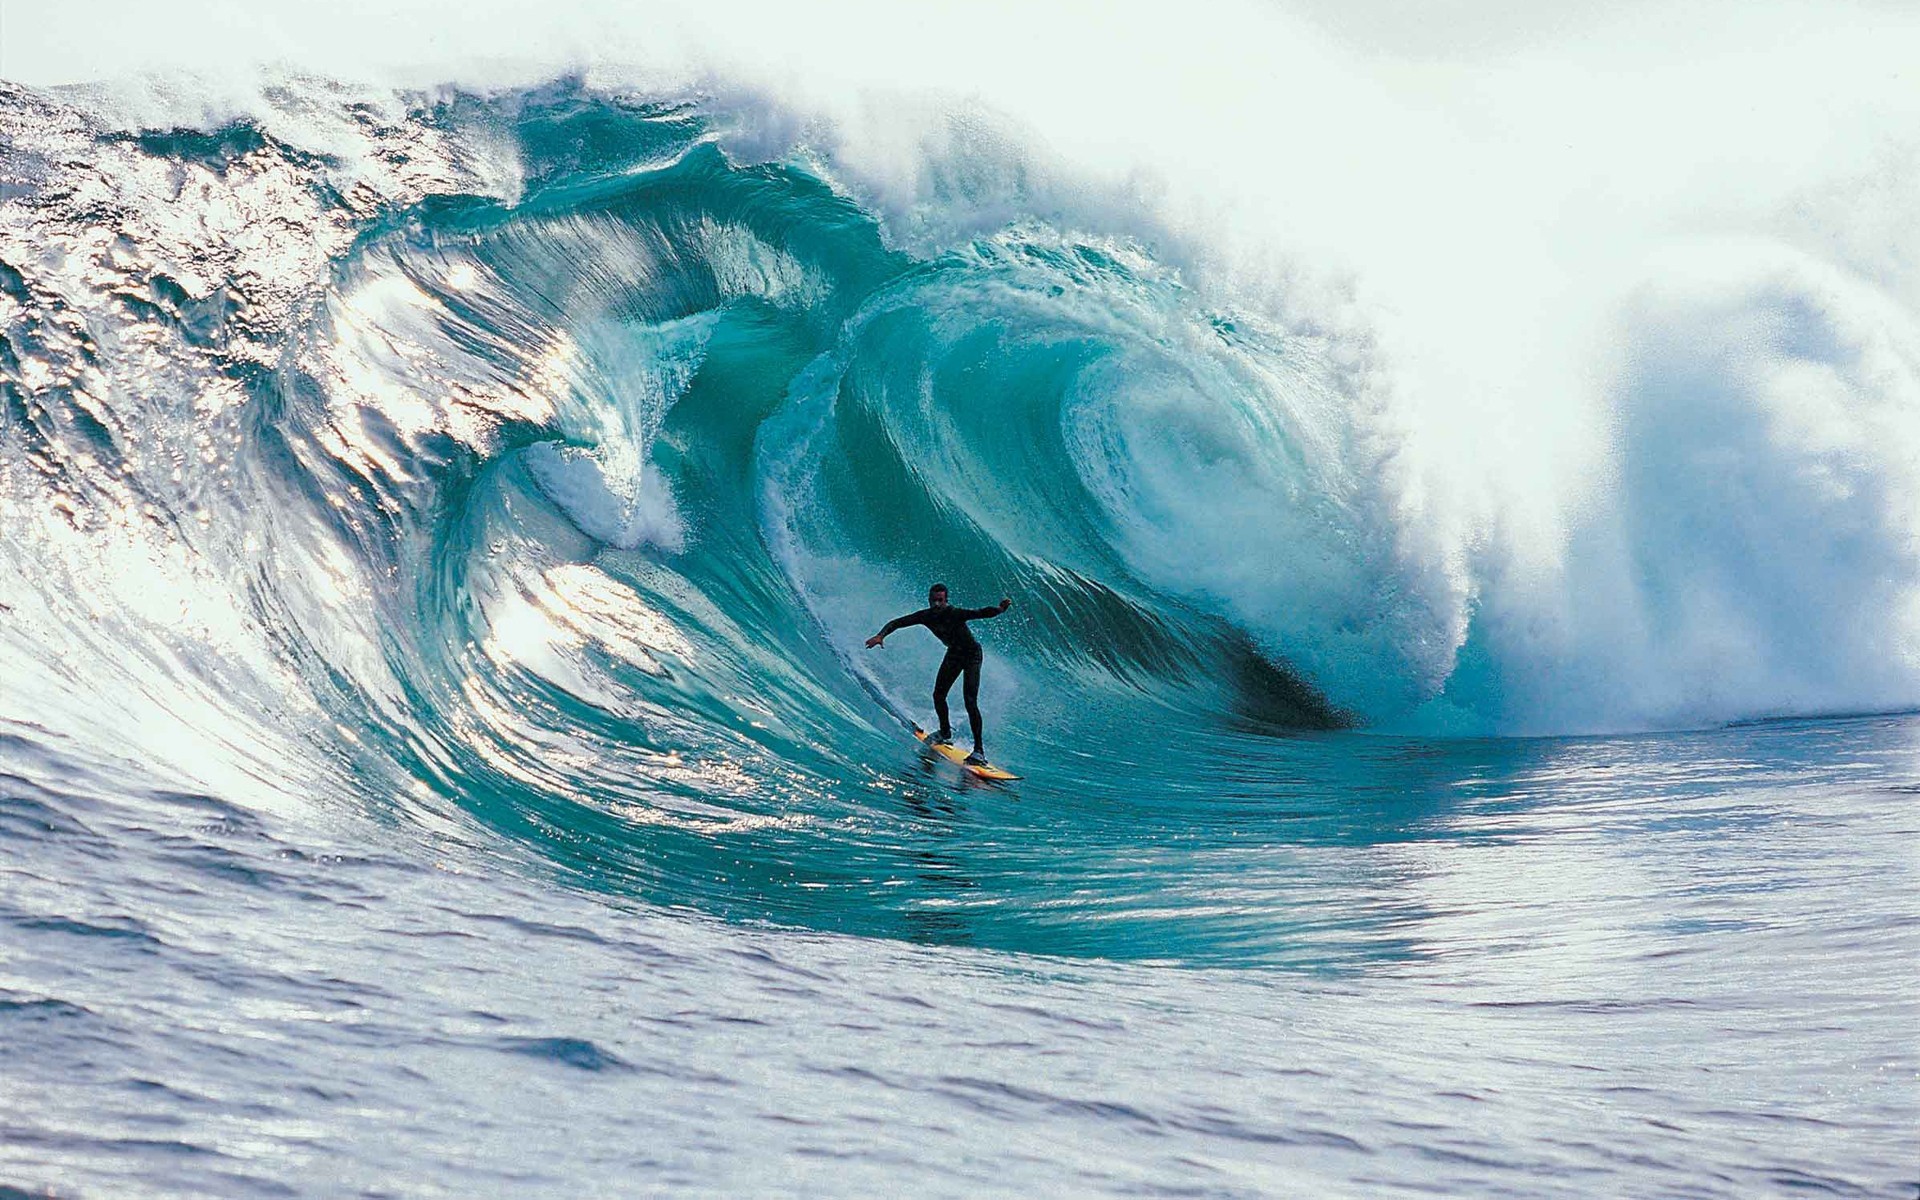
1496,217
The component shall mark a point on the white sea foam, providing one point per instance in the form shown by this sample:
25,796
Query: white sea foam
619,508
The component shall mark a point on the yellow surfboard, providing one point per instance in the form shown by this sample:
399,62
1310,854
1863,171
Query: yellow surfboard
956,755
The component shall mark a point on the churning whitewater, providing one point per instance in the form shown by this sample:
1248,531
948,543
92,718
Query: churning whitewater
437,753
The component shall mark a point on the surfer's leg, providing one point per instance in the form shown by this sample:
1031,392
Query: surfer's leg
971,690
943,683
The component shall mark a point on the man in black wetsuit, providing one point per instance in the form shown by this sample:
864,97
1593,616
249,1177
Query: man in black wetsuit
949,624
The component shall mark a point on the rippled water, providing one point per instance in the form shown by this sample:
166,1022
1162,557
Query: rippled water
1651,966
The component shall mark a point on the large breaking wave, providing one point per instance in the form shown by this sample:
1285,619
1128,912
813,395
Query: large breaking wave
545,455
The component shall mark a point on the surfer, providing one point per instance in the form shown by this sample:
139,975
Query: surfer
949,624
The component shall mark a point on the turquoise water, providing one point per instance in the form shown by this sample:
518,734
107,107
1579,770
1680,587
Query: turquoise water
437,753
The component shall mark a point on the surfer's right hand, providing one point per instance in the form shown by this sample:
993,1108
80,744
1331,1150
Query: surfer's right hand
876,640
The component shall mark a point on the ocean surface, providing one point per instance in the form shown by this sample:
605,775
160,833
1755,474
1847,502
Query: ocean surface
438,755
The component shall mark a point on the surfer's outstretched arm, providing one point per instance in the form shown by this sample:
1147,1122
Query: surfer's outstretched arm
912,618
991,610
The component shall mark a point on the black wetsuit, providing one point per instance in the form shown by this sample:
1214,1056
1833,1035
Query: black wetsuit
949,624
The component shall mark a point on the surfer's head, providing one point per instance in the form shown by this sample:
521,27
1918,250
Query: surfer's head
937,595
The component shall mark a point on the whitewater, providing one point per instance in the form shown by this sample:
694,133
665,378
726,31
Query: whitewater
1458,480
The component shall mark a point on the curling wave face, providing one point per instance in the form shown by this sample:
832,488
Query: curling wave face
539,470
